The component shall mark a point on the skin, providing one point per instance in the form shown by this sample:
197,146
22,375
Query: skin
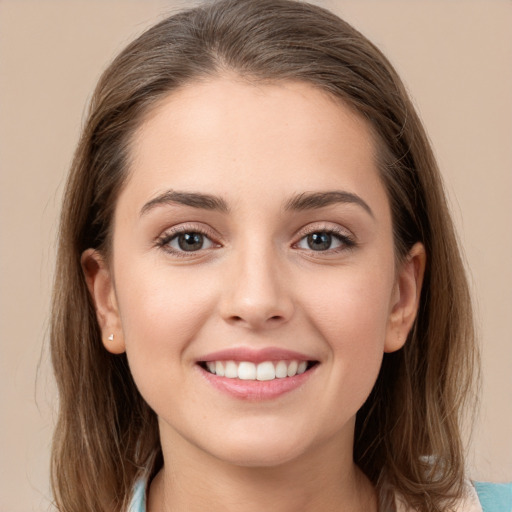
256,284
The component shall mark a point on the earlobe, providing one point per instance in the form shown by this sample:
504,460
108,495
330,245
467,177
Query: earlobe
406,298
101,288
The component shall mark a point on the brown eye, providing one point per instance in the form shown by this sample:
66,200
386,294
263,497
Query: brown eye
319,241
323,241
190,241
187,241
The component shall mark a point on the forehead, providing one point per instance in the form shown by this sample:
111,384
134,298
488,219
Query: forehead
224,133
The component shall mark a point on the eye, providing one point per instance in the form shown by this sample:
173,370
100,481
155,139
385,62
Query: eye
324,241
185,241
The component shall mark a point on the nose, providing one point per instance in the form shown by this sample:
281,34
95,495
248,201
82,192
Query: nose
256,291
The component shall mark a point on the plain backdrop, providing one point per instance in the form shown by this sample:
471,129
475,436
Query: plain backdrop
454,56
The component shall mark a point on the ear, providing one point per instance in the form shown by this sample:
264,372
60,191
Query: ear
406,298
100,284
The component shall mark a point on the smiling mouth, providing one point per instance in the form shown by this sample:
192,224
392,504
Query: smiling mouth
264,371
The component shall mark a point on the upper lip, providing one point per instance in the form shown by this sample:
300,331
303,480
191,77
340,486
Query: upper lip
255,355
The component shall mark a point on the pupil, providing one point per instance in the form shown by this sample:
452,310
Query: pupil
190,241
319,241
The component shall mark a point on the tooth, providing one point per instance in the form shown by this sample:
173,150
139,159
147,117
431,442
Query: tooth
302,367
281,370
292,368
265,371
219,368
246,371
231,370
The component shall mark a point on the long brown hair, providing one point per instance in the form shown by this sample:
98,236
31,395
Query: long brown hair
408,432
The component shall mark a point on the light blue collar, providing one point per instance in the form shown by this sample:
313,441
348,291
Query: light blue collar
138,501
493,497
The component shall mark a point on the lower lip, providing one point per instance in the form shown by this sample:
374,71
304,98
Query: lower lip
257,389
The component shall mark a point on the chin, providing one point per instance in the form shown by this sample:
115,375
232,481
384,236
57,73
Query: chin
263,447
259,456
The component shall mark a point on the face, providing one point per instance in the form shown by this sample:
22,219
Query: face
253,282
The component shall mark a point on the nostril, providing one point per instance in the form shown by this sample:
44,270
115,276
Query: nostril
237,318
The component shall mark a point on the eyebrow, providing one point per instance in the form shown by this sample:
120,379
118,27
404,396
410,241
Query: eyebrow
300,202
313,200
193,199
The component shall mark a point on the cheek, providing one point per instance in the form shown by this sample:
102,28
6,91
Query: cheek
161,314
161,311
352,316
352,301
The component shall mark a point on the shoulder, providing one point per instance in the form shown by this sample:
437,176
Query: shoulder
478,497
494,497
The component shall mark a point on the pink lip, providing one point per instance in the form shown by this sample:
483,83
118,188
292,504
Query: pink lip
255,356
255,390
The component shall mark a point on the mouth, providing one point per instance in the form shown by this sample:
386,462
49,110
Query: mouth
259,374
261,371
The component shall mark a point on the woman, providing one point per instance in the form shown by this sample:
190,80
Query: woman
260,301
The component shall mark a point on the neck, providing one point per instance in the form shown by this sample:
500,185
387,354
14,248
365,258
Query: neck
316,481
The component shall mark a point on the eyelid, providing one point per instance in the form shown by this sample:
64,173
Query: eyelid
324,227
347,238
168,234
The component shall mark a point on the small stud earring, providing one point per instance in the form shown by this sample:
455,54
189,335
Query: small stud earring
111,337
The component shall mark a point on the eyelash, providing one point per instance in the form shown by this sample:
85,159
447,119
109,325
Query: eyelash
347,242
164,240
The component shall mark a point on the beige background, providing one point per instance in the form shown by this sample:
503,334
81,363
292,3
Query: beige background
455,57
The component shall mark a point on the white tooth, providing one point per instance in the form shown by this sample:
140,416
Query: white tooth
219,368
292,368
211,366
281,370
231,370
302,367
246,371
265,371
